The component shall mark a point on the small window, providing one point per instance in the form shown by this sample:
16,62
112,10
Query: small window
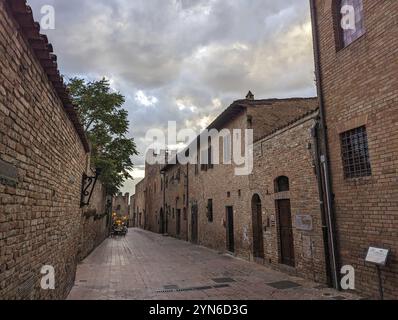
210,155
350,23
355,153
227,149
204,160
210,210
282,184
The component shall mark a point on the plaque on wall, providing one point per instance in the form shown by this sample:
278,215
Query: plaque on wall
8,174
377,256
304,222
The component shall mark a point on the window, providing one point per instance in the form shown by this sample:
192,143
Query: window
227,149
282,184
210,210
204,159
355,153
350,22
210,155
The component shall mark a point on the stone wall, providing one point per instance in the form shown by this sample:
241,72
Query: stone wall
140,190
360,87
95,221
176,210
120,205
288,153
42,160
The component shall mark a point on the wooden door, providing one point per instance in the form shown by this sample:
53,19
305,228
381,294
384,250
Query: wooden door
286,232
230,230
194,224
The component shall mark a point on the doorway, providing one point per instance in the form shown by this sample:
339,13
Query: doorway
161,222
257,222
286,232
230,230
194,223
178,222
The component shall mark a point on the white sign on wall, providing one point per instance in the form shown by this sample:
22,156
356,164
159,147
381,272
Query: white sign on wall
377,256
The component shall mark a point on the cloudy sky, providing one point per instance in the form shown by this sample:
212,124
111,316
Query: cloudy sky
184,60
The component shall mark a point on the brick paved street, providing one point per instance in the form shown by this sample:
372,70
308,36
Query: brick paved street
149,266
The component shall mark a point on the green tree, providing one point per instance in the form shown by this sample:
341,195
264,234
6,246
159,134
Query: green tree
106,125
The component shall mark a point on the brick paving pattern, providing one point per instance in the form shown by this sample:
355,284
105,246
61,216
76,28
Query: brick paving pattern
148,266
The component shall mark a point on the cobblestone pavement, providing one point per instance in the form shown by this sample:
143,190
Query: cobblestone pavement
146,266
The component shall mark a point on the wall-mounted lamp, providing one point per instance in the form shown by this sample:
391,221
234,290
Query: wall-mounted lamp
88,185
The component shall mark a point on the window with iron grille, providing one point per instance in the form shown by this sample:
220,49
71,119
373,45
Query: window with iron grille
349,31
355,153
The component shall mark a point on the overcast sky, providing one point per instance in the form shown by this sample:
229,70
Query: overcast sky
184,60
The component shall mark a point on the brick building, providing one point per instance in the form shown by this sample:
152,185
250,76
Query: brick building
358,90
121,205
43,156
153,193
209,204
286,220
132,213
175,219
140,213
220,200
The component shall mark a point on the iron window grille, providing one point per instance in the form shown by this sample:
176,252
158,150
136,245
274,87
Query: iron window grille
355,153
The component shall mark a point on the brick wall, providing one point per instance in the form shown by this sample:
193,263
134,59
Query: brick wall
153,197
224,187
176,201
360,87
120,205
286,153
95,221
140,190
40,215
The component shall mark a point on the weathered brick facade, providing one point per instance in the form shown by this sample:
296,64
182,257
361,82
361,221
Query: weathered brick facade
140,191
196,197
41,222
289,153
223,187
176,201
153,196
359,87
121,205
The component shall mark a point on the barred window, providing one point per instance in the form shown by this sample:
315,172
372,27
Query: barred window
355,153
351,22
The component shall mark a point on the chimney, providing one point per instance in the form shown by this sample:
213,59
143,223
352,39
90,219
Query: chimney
250,96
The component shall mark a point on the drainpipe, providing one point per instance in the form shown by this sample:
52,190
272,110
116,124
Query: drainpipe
187,203
318,169
324,158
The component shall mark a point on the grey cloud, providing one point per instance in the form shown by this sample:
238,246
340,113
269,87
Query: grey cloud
195,51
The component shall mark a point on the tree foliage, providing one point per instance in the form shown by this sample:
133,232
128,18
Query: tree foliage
106,125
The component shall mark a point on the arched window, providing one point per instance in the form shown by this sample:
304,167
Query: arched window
282,184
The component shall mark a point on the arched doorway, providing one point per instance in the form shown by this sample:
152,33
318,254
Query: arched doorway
257,222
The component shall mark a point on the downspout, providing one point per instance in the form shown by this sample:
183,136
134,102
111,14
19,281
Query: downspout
324,158
318,169
187,203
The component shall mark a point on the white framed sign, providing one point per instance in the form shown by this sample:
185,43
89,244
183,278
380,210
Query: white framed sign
377,256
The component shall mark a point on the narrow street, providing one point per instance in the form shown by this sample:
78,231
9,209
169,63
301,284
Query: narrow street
147,266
